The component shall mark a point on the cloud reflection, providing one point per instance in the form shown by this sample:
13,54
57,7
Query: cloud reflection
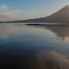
7,30
52,60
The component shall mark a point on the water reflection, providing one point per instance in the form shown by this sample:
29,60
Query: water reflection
34,46
10,29
61,31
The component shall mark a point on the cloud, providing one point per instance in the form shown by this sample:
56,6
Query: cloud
7,13
3,6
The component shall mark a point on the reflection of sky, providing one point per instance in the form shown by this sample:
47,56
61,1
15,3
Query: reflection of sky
25,40
52,60
22,35
13,30
8,30
39,41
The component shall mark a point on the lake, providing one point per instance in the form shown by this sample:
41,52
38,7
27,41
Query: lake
34,46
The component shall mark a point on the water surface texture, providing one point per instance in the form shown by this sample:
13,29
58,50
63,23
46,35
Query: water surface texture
34,46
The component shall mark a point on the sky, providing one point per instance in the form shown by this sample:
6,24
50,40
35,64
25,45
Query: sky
27,9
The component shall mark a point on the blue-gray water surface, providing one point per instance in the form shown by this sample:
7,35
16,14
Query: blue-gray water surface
31,46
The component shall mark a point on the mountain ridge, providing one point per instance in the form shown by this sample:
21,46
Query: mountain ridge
61,16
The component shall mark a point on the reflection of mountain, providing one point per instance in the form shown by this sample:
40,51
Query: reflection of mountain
61,31
52,60
62,16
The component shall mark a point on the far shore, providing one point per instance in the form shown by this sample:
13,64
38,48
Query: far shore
54,24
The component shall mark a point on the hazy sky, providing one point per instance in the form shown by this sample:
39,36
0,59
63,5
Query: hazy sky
25,9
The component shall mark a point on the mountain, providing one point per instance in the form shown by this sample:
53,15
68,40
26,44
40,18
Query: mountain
61,16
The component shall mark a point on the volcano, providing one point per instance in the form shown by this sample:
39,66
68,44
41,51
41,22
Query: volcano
61,16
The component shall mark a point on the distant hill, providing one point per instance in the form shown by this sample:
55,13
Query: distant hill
61,16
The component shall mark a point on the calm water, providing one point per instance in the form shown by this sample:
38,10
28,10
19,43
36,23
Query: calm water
34,46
